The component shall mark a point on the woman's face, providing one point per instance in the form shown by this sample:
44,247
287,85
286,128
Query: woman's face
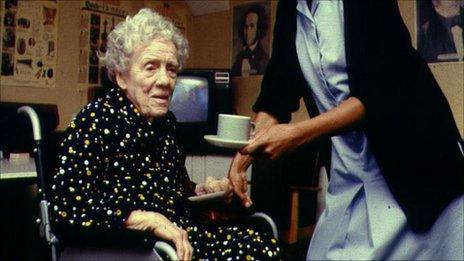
448,7
149,81
250,30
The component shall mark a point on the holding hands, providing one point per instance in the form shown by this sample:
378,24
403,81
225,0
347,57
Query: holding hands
273,139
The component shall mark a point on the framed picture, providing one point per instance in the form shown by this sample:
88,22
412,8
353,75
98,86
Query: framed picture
251,38
440,30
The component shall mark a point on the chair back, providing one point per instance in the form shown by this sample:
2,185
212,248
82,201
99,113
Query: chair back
16,133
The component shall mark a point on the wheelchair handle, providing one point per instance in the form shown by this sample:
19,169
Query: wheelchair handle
34,120
45,227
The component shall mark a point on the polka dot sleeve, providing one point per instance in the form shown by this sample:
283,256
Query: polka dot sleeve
79,194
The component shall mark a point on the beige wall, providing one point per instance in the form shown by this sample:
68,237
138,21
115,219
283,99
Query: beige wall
212,48
66,93
210,39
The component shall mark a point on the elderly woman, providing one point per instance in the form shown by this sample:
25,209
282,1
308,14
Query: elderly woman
121,166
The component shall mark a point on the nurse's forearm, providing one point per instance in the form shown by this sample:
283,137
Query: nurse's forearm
263,121
339,119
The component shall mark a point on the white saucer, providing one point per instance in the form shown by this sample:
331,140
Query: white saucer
231,144
207,197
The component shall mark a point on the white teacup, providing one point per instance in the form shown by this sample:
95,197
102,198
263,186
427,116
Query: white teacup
234,127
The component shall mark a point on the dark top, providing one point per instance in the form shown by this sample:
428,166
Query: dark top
408,122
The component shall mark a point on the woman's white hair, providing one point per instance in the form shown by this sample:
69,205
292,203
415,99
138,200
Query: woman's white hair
140,29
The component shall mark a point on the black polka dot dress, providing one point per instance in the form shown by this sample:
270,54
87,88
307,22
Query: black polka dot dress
114,161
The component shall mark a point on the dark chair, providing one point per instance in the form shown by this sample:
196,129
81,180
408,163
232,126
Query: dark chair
296,231
291,179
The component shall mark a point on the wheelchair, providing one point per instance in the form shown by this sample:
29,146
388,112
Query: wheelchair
122,245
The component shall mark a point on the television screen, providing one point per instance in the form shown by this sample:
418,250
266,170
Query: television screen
199,96
190,99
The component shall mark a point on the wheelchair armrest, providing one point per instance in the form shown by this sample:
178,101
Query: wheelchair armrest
166,249
234,213
113,245
102,238
262,220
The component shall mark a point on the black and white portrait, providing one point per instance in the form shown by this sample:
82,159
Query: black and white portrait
440,30
251,40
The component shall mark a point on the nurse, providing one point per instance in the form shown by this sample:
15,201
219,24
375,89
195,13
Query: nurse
396,188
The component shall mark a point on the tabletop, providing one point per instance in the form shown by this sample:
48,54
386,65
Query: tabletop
17,169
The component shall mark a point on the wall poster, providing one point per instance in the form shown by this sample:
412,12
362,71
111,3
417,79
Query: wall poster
440,36
28,46
98,19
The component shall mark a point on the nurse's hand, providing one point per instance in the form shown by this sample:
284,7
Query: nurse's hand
274,142
238,178
240,163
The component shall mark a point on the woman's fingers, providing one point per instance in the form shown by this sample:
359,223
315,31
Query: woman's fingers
184,244
209,184
209,179
187,246
183,248
177,239
179,244
200,189
168,231
213,185
225,184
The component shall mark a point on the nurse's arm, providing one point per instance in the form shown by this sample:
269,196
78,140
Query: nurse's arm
281,138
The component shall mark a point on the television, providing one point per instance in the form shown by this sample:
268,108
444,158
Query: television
199,96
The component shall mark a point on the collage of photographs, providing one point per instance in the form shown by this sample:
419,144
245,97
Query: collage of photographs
29,39
95,28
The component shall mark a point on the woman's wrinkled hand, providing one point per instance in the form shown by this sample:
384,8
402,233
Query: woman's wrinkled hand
161,227
212,185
